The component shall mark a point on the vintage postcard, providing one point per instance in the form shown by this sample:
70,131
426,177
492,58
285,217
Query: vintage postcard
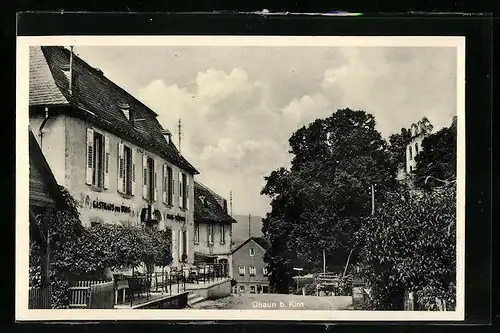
240,178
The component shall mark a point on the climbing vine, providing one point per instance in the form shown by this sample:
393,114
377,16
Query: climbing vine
78,251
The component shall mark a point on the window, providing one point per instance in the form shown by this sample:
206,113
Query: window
126,169
183,191
411,168
416,148
95,224
168,189
242,289
222,234
409,152
97,161
196,234
149,189
252,289
264,271
251,270
252,252
241,270
210,234
265,289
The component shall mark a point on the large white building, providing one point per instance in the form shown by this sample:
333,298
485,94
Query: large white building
108,149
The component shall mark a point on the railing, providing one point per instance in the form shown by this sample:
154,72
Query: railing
334,284
135,289
40,297
80,293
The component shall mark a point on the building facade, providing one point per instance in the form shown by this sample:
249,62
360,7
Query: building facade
109,150
212,227
418,132
249,268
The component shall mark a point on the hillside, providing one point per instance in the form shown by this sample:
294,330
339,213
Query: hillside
240,229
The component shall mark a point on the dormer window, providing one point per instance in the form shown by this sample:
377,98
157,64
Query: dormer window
167,135
125,110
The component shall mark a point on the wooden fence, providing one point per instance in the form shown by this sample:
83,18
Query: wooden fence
81,293
40,297
414,303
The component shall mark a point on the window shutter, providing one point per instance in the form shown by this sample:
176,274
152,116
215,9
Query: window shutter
180,189
145,176
165,183
121,168
187,243
90,156
179,244
155,181
187,192
106,162
172,185
132,151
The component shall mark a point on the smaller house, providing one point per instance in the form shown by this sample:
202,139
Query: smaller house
249,268
212,227
45,197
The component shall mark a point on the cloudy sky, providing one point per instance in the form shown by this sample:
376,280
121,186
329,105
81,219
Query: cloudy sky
239,105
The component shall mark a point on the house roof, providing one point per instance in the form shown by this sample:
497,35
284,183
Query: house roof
98,99
261,241
38,161
207,208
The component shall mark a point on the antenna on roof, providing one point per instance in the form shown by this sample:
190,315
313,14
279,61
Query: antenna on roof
180,133
249,229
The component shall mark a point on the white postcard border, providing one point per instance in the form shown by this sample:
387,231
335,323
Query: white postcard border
22,313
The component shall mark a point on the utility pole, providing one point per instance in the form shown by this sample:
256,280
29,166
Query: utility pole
249,230
373,199
180,134
231,202
324,261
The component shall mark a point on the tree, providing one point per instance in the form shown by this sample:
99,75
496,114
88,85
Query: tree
397,147
410,245
317,204
437,162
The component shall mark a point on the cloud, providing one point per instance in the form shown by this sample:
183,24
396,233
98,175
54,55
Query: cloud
236,123
229,130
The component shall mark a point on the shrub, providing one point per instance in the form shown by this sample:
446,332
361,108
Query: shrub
77,251
410,246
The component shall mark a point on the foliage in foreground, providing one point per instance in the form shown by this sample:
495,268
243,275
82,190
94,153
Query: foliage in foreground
78,252
410,245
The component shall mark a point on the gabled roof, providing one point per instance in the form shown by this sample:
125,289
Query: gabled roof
261,241
42,86
38,161
207,208
98,99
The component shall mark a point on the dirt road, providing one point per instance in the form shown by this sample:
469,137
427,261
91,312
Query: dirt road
278,302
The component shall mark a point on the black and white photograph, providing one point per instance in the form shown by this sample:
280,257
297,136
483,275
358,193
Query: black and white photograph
240,178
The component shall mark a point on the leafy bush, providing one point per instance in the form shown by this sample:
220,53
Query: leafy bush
77,251
409,245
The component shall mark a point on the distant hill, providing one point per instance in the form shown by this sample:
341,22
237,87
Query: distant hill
240,229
